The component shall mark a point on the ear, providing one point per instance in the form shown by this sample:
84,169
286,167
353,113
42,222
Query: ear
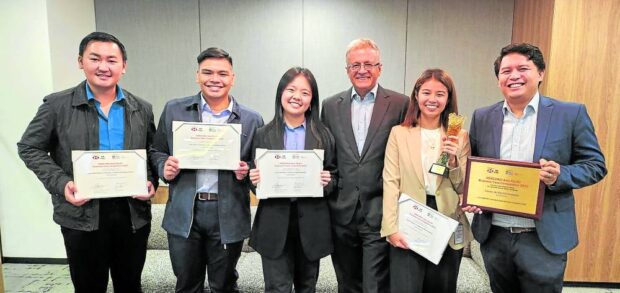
232,82
197,76
80,64
124,67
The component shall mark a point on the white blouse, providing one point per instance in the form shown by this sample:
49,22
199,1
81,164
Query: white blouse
431,144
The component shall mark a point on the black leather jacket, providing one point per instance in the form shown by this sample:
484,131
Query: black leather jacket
67,121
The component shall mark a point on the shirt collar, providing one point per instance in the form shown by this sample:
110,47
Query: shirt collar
371,98
119,93
205,107
532,105
302,126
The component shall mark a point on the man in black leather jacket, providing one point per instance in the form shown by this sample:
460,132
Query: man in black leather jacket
100,235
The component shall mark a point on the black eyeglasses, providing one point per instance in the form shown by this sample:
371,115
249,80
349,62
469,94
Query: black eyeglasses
358,66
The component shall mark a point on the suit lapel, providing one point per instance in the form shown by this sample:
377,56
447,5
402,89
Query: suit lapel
382,102
440,178
344,109
276,138
545,109
311,142
497,120
413,148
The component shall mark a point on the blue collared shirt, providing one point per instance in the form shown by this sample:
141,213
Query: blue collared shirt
206,180
295,138
111,127
361,113
517,144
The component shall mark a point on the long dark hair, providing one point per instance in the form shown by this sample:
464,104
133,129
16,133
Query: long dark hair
413,112
318,130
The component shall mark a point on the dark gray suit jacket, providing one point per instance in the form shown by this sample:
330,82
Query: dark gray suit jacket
564,134
361,175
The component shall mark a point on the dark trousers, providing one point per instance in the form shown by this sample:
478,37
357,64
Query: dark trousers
292,267
360,257
410,272
203,251
519,263
114,249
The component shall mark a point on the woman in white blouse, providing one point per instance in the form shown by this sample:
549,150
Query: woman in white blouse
412,148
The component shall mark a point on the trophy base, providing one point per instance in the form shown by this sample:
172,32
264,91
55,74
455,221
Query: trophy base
439,170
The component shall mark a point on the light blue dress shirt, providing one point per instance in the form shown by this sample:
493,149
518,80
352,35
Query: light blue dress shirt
111,127
518,140
295,138
361,113
206,180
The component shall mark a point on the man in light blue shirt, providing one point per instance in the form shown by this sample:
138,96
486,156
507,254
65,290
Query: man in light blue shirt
360,119
522,254
208,212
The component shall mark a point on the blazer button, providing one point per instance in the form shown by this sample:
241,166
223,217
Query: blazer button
357,188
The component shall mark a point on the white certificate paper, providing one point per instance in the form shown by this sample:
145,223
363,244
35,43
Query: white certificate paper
426,230
206,146
289,173
101,174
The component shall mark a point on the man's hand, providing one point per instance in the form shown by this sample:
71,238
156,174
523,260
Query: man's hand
70,191
242,171
171,168
397,240
151,192
549,172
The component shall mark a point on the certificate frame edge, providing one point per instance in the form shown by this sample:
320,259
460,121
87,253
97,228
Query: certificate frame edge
541,187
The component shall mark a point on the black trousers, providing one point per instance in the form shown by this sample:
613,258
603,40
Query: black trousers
114,249
202,252
410,272
360,257
520,263
292,267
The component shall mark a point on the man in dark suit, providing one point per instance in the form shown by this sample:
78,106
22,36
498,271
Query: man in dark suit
525,255
360,119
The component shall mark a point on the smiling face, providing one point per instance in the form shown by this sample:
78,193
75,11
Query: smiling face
215,77
296,97
432,100
103,65
365,78
518,78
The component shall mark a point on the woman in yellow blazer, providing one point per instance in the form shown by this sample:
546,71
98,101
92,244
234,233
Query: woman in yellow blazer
412,148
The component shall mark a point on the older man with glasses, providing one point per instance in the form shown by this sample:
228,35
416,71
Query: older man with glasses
360,118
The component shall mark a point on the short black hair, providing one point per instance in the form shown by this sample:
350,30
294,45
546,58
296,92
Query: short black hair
101,37
214,52
528,50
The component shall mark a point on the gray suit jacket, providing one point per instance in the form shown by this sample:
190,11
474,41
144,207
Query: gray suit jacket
361,175
564,134
234,201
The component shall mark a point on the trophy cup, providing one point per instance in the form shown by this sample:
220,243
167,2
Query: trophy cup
455,123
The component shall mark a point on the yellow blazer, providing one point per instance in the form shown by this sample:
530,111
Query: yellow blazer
402,173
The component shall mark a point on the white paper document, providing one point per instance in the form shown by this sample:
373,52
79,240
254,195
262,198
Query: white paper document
101,174
426,230
206,146
289,173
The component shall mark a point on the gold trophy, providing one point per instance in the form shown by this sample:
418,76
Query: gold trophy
455,123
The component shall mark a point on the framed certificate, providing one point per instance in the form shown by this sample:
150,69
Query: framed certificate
426,230
507,187
102,174
206,146
289,173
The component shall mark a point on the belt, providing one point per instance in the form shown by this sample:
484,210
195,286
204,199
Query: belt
206,196
519,230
